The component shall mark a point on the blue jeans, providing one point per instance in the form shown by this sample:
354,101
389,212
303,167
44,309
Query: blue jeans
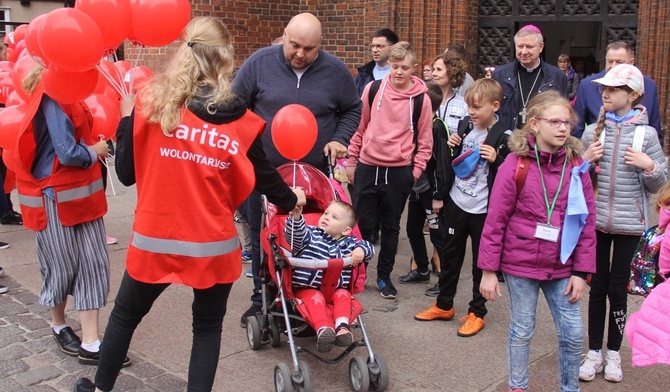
523,294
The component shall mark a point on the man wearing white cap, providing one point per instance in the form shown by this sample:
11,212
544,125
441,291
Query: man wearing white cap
525,77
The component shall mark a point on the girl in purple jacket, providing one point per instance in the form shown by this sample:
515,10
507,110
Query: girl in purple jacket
540,232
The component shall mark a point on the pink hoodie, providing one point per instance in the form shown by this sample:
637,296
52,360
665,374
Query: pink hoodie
664,256
384,137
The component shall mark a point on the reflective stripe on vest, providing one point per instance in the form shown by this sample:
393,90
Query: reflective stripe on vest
31,201
185,248
79,193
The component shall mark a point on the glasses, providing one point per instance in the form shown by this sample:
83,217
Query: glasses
556,123
489,69
377,46
610,89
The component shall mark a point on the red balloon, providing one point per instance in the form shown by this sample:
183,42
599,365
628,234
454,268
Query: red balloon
137,76
173,15
70,40
20,45
32,41
14,99
8,159
111,16
106,117
9,39
6,66
294,130
12,55
22,68
6,87
69,87
20,33
10,121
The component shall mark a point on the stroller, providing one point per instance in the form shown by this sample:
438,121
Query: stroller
283,313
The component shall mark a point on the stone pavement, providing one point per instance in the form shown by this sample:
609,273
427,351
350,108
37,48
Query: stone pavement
421,356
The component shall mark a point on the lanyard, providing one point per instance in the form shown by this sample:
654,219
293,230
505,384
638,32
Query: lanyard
550,209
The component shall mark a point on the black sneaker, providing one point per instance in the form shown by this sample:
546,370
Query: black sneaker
252,311
68,341
433,291
11,218
4,245
90,358
415,277
84,385
387,289
343,336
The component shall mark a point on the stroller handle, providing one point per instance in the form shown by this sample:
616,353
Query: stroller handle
315,263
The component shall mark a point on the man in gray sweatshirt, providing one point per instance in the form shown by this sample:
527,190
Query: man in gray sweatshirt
297,72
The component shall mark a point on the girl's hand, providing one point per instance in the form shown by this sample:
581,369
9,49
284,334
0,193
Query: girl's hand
350,170
101,148
357,256
487,152
638,159
454,140
594,152
126,105
489,286
437,205
577,286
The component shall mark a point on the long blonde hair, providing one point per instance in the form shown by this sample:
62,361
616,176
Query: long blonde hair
203,62
30,81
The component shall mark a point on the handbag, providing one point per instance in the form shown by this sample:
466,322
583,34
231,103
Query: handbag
465,164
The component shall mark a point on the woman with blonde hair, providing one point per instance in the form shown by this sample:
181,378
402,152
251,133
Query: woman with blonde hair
199,153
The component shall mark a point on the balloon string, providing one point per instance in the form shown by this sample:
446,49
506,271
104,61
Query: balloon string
133,65
109,173
112,81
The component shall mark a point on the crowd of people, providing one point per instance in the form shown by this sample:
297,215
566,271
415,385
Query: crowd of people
532,163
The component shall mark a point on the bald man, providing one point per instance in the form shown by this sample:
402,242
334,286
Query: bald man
297,72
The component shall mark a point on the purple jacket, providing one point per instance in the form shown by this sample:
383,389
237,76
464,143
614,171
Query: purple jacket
508,241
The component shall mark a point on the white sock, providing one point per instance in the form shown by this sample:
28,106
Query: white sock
341,320
91,347
58,328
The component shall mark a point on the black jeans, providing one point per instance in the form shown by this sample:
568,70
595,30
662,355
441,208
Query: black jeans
134,301
460,225
382,192
416,216
251,211
610,282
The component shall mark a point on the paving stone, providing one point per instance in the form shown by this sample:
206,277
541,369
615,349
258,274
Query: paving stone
10,385
127,382
42,345
9,331
144,370
36,376
67,382
168,383
42,388
12,366
6,342
40,333
42,360
9,307
32,322
25,298
14,351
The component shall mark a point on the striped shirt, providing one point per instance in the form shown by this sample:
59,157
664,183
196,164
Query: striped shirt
310,242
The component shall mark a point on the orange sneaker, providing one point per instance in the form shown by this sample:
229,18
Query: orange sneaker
473,324
435,313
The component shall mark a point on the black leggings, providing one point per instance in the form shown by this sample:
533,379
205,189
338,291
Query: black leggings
134,301
610,282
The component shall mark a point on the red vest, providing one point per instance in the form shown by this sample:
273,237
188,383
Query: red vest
189,184
79,192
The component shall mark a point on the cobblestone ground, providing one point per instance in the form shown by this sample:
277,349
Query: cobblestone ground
31,361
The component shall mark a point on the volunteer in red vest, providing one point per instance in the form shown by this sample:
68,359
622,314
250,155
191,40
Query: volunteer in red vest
194,151
62,200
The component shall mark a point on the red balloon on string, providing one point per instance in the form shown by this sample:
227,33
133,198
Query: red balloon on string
8,159
294,130
139,75
12,55
111,16
106,117
32,41
20,33
19,47
6,87
10,121
70,40
173,15
69,87
22,68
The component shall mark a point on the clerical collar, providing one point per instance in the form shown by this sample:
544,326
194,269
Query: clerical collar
529,70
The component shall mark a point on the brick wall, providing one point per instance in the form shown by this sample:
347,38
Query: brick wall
653,42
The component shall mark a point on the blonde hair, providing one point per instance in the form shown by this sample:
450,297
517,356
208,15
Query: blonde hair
483,90
663,197
30,81
541,103
203,62
402,50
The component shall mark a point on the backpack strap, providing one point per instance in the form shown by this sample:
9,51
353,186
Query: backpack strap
374,87
638,138
521,172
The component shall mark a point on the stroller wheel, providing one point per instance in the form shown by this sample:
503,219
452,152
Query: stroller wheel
275,336
283,381
253,333
359,376
379,374
306,384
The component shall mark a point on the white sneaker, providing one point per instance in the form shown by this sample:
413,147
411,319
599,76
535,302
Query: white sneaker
593,364
613,366
2,272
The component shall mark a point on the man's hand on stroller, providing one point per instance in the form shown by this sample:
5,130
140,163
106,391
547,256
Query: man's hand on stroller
357,256
334,150
302,200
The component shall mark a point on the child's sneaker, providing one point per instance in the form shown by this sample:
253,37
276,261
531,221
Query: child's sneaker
343,336
325,339
249,273
472,326
593,364
246,257
387,288
613,366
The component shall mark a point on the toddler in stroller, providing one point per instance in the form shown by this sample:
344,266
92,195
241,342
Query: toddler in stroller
330,239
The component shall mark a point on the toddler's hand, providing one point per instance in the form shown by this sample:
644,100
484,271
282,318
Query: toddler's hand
357,256
437,205
489,286
296,213
454,140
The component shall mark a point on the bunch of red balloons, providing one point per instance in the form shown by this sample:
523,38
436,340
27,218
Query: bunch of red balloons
70,43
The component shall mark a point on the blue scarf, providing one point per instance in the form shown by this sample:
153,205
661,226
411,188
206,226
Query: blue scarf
620,119
576,213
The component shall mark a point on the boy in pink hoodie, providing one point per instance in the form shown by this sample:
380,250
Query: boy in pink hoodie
386,157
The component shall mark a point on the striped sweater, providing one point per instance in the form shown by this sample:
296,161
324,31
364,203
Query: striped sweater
310,242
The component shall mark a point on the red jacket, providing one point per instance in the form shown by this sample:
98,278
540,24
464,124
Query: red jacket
189,184
80,195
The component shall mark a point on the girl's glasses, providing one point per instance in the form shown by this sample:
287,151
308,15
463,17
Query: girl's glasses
609,89
556,123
